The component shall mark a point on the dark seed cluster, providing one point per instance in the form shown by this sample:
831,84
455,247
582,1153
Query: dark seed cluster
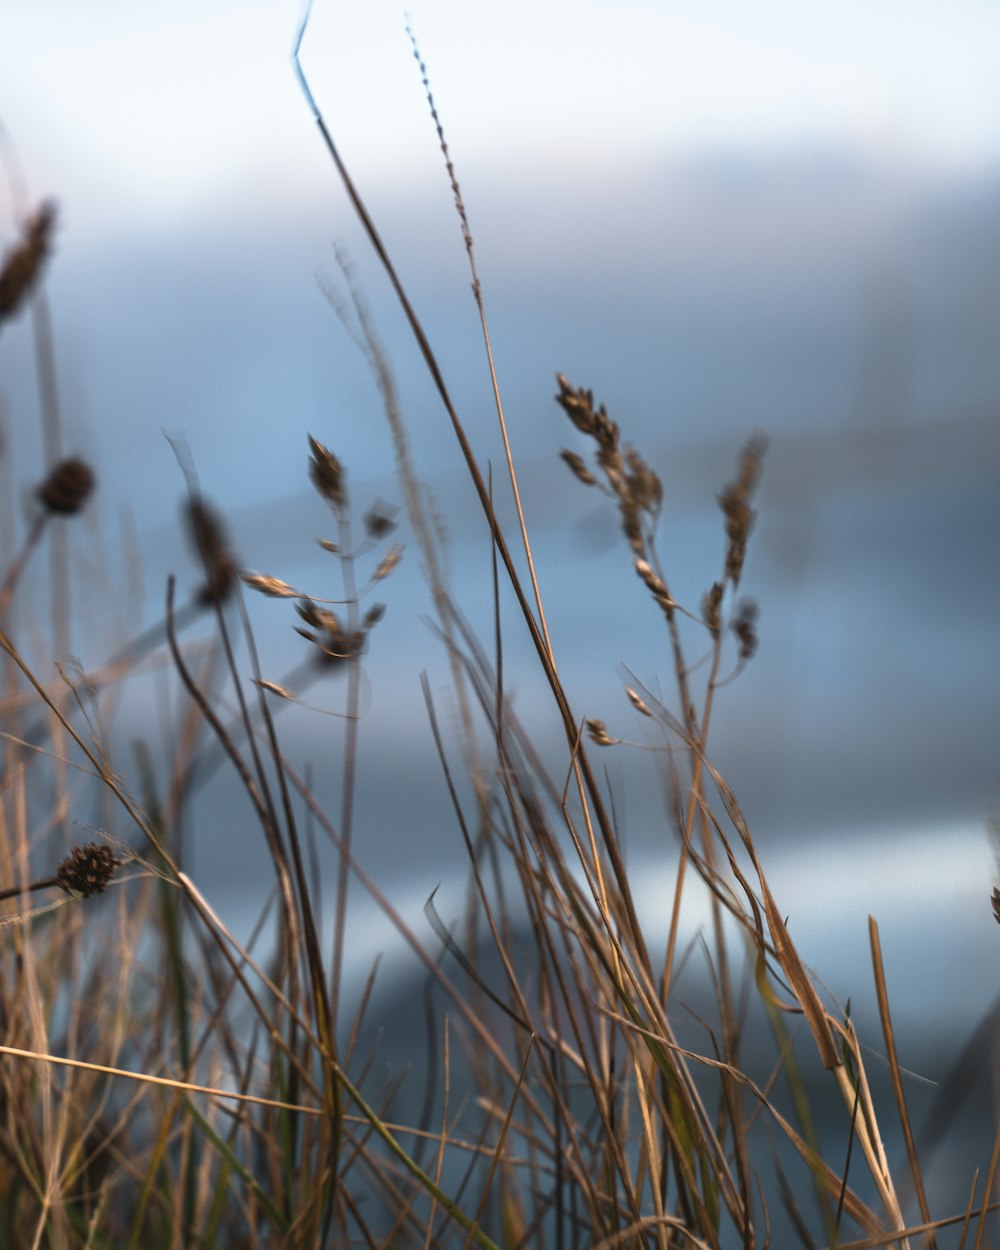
621,473
744,626
328,634
23,263
627,478
67,488
212,544
87,869
327,475
735,504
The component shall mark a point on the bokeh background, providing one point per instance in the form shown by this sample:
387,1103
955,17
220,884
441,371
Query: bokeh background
722,219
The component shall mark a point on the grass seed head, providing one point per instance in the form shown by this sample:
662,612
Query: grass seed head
710,606
656,586
637,702
212,544
67,488
744,626
22,265
273,587
373,615
597,731
579,468
735,504
327,475
379,520
87,869
578,405
334,643
386,565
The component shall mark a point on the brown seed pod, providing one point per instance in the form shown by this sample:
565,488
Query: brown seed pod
87,869
67,487
212,544
23,263
327,474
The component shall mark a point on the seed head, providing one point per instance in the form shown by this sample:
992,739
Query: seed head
327,475
212,544
67,487
23,263
332,640
380,520
579,468
87,869
744,626
735,504
597,731
710,605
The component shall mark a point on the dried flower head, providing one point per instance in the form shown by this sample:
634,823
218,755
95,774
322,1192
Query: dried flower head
273,587
23,263
332,640
578,405
637,702
67,488
744,626
388,563
644,486
212,544
657,586
735,504
379,520
597,731
579,468
373,615
628,478
327,475
87,869
710,605
318,617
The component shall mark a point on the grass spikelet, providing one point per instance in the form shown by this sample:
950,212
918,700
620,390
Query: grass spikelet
579,468
380,520
22,265
637,702
735,504
598,734
388,563
656,585
211,542
327,475
87,870
272,587
744,626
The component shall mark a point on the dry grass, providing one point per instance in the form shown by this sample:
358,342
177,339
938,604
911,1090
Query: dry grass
165,1085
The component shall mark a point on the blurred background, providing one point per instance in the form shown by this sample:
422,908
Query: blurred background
721,219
